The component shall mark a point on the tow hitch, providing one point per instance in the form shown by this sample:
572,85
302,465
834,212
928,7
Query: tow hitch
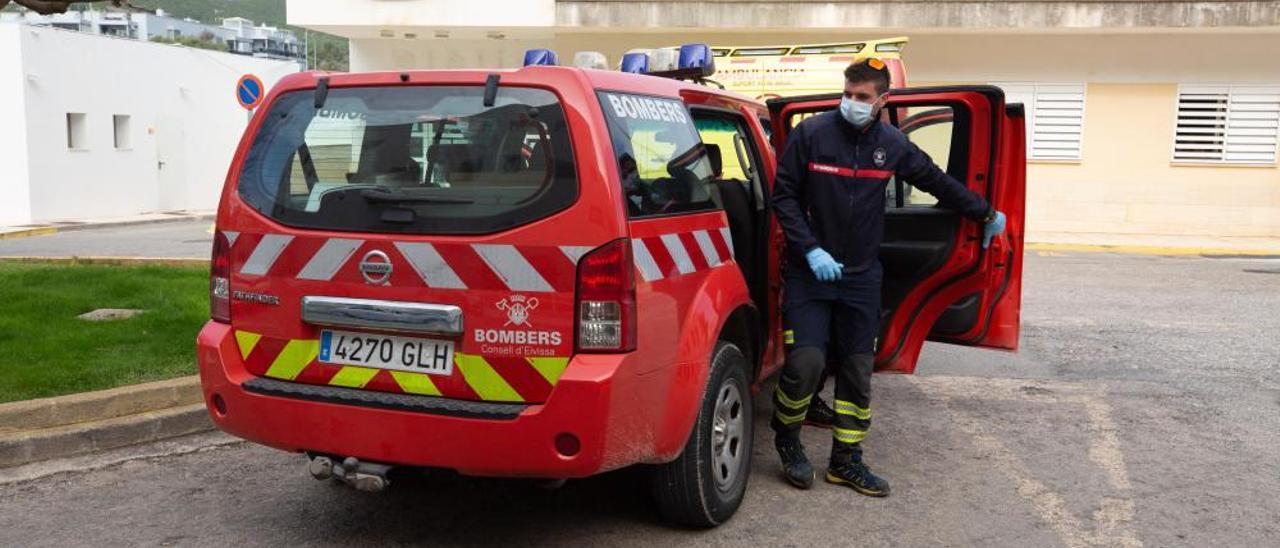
363,476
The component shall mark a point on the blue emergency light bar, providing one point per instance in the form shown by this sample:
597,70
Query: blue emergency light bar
635,63
695,62
697,56
539,57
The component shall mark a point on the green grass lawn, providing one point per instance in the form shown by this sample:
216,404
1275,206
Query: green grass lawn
46,351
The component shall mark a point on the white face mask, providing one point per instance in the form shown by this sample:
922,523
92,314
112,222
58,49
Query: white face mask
856,112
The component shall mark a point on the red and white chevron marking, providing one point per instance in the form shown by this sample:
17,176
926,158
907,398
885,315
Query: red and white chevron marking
477,266
679,253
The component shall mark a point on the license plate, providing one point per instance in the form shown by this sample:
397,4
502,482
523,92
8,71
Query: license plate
387,352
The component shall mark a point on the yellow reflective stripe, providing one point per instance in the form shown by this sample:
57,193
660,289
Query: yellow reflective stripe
853,414
849,408
802,403
484,380
353,377
415,383
293,359
789,419
788,337
848,436
549,368
246,341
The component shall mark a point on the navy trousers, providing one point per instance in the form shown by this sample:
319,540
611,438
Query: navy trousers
844,316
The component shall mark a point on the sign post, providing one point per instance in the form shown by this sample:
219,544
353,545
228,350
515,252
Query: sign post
249,92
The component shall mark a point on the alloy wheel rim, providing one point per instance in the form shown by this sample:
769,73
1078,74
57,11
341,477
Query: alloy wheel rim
728,427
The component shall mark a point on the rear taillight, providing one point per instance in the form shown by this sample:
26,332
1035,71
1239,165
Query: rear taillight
606,299
220,279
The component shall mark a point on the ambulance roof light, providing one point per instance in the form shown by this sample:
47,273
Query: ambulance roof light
539,56
760,52
635,62
852,47
890,47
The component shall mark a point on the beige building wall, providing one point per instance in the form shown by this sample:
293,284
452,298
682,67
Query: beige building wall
1127,183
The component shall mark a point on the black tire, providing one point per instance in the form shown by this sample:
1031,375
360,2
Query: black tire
701,488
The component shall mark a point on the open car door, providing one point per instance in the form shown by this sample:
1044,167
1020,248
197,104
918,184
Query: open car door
939,283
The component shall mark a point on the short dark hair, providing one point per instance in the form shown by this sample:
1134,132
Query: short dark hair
863,70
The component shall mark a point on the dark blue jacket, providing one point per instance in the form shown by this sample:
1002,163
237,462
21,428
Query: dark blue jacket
830,190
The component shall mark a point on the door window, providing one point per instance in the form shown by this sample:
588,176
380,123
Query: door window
932,129
729,148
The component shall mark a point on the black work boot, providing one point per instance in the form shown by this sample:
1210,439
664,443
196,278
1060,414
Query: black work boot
858,477
819,414
795,465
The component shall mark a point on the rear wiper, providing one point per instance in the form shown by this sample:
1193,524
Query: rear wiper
379,195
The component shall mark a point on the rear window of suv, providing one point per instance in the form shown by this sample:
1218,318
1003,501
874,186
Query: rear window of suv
416,159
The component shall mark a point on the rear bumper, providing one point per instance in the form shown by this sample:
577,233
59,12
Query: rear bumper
615,416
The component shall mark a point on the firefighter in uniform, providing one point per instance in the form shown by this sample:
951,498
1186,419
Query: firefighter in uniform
829,198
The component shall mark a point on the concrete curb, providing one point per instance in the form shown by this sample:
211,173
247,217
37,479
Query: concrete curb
110,261
66,426
98,406
117,224
26,233
78,439
56,228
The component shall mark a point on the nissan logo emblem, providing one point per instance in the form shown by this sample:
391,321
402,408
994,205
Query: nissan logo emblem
375,266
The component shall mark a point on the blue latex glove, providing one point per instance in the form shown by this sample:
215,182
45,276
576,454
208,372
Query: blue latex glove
823,265
992,229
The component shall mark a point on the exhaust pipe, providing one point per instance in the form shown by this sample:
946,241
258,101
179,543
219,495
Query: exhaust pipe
321,468
370,477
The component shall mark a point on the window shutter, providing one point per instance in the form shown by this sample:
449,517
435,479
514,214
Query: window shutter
1253,125
1055,118
1202,124
1227,124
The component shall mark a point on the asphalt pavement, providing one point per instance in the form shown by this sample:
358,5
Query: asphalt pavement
1142,410
175,239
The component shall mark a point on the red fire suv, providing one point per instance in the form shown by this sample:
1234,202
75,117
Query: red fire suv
553,272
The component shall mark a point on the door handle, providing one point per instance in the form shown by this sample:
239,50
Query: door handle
998,250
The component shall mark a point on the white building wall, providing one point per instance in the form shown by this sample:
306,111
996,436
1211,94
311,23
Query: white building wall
371,17
15,200
184,119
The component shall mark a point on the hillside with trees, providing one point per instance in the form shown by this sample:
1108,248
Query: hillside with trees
327,52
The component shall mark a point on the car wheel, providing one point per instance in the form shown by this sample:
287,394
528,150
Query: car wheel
705,485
